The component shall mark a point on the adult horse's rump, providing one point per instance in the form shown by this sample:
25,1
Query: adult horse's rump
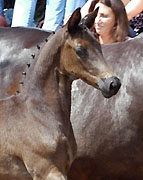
18,46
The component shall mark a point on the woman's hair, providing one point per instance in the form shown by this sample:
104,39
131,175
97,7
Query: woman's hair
121,30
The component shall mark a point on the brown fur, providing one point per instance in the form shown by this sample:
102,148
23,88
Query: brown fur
36,136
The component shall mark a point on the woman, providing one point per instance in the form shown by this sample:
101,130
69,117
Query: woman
134,9
111,23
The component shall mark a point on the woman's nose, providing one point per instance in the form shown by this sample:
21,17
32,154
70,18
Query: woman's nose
98,19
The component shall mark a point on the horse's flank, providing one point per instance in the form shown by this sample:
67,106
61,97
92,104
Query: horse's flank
110,137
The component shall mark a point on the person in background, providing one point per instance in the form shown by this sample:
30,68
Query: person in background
111,23
85,8
59,10
23,14
134,9
3,22
1,7
56,11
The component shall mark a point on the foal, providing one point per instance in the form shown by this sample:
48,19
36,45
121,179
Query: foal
36,136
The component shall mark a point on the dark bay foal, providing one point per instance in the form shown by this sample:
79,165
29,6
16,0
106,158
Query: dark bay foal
36,136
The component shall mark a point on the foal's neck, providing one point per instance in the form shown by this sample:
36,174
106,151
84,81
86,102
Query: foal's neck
47,83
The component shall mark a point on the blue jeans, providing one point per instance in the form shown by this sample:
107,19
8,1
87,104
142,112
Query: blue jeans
1,7
73,5
57,10
23,14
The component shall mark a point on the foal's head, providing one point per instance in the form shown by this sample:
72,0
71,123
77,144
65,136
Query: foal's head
82,56
77,54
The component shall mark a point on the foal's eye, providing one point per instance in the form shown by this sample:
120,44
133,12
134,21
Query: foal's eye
81,52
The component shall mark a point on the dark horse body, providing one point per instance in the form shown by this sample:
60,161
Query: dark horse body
17,50
108,132
36,136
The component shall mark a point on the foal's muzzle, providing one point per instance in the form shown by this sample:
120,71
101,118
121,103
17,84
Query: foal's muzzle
109,86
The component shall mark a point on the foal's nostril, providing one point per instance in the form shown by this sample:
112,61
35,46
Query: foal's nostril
113,85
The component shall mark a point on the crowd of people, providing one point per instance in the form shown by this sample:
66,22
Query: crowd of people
116,21
55,12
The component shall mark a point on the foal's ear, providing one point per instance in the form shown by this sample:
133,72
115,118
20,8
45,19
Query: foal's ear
89,19
74,20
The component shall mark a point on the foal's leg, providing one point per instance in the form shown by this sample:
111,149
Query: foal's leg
52,175
42,169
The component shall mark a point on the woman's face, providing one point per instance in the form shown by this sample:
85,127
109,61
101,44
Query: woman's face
105,20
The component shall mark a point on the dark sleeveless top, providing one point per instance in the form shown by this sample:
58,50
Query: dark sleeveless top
137,23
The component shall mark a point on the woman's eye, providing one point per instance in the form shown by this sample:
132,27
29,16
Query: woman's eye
103,15
81,52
